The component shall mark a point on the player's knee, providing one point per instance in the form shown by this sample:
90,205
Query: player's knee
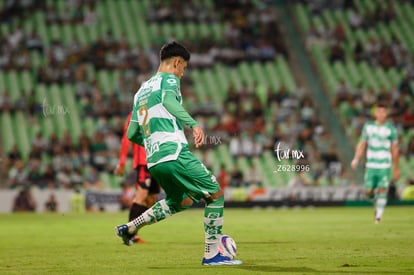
151,200
218,196
369,193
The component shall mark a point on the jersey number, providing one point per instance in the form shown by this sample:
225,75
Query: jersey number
143,111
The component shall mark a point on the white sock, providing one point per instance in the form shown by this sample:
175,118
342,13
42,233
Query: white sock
212,236
379,207
158,212
211,250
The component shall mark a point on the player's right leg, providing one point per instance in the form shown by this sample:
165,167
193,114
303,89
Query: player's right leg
201,184
369,184
174,202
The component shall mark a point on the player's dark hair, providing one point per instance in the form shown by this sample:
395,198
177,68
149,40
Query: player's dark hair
381,104
173,49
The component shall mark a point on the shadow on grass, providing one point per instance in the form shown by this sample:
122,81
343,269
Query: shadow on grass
258,269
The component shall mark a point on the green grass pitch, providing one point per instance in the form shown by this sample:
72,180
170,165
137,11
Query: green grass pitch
292,241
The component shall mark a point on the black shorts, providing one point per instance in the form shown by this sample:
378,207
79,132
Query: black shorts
146,181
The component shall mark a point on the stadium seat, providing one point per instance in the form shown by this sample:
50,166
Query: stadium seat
8,135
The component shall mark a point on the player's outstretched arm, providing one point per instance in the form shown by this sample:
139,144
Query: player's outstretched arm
174,107
198,136
358,153
395,161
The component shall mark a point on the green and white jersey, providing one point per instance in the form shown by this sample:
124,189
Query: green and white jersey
162,133
379,139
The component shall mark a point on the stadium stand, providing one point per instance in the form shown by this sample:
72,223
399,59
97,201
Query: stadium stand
375,64
239,85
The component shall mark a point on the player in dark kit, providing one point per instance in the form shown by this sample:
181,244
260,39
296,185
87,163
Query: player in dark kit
147,188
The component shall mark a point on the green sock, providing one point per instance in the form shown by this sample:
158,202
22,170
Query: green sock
213,223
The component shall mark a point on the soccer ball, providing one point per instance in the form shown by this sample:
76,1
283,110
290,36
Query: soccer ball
227,246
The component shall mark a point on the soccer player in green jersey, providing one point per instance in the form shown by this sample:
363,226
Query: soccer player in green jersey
157,123
380,140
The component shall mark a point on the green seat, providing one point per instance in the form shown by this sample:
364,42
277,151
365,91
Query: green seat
13,85
74,116
2,82
21,133
59,111
302,17
273,78
8,135
287,76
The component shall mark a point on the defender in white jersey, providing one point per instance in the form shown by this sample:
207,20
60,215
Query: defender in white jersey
157,122
379,140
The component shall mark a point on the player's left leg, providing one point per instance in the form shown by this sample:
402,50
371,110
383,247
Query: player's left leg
201,184
382,192
139,205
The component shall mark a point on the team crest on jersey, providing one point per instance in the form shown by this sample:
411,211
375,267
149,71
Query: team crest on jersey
172,81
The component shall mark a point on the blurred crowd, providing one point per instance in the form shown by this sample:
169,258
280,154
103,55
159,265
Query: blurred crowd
354,103
251,31
247,125
59,161
376,51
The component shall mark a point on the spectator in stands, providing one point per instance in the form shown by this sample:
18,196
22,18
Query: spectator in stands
24,202
369,98
51,205
16,37
247,145
399,52
355,19
337,52
358,52
410,148
39,141
90,18
99,152
343,92
404,88
34,177
18,175
399,107
63,179
92,179
35,153
6,103
235,147
48,178
313,36
373,48
13,156
223,177
253,177
236,177
34,43
386,57
339,33
407,119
